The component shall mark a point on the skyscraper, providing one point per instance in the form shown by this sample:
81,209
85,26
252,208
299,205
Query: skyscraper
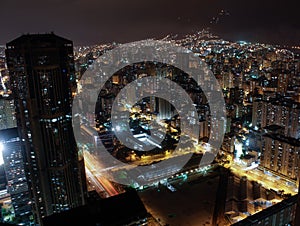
15,174
41,69
280,154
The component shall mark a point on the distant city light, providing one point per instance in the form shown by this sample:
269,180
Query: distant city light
118,128
247,142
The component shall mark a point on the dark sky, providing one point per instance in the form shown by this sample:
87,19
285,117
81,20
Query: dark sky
98,21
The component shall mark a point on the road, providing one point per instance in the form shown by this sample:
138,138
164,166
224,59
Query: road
96,185
92,167
268,181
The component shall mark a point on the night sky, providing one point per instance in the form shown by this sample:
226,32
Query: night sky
99,21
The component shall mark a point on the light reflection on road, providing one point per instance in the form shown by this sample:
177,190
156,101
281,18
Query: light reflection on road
100,183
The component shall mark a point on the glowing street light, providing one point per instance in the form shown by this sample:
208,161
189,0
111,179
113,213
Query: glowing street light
118,128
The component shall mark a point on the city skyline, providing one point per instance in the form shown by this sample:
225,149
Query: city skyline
260,89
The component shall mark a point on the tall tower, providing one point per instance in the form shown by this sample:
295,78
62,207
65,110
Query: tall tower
41,69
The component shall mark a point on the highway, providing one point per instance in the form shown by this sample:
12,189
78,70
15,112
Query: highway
96,185
95,169
100,183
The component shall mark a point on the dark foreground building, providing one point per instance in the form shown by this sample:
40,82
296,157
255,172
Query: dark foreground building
297,217
120,210
282,213
42,74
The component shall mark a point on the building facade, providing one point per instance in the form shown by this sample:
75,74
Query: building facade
7,112
282,213
281,155
283,112
41,69
15,174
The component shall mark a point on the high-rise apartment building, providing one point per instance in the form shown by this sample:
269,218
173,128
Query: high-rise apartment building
281,155
42,75
278,111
